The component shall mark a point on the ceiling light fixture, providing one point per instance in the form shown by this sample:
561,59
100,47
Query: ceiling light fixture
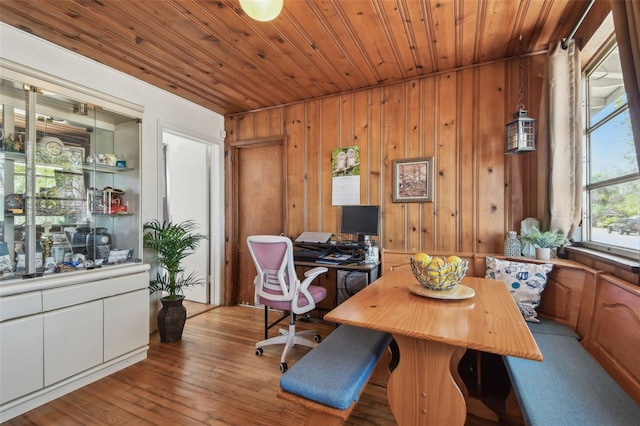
520,134
262,10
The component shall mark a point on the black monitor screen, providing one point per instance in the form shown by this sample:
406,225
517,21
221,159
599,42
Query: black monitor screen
361,220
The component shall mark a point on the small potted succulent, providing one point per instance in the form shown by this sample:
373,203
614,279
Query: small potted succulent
544,241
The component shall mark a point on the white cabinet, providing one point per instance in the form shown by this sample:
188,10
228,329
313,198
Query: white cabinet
73,340
21,353
62,332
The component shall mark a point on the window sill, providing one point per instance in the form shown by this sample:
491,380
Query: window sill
621,267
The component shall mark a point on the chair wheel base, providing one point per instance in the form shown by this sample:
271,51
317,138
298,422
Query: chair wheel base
283,367
259,351
317,338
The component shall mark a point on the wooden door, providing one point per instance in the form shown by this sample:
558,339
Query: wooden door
260,206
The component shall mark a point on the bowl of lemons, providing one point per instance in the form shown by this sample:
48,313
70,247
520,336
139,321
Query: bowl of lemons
438,273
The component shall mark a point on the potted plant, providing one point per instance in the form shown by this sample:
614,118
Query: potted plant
544,241
171,242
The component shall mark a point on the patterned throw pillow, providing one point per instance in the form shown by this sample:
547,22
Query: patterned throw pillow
525,281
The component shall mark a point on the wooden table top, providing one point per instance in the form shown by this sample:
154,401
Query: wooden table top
489,321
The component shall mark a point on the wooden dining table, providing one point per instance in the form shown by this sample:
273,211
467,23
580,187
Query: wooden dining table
432,334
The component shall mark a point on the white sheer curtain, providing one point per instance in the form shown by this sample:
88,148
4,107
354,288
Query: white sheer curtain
560,140
626,19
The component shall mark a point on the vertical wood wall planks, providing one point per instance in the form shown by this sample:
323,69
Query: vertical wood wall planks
457,117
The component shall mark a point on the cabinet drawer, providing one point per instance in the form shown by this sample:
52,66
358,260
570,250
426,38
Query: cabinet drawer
76,294
20,305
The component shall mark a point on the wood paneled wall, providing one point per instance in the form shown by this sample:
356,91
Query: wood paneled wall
458,117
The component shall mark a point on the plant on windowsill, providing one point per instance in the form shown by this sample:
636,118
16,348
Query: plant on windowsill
171,242
544,241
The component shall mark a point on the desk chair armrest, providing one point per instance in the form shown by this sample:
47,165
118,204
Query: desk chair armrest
315,271
303,290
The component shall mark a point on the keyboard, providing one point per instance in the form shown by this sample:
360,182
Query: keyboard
308,255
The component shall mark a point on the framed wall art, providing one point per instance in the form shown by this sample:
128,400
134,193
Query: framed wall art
413,180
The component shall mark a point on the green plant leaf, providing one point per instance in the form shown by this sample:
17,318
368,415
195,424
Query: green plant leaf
172,242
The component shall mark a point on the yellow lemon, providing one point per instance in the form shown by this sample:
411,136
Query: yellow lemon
422,258
454,259
437,263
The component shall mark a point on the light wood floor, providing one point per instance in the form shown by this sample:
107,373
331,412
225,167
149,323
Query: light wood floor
210,377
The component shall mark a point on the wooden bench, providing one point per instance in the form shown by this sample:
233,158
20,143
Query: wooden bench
569,386
329,379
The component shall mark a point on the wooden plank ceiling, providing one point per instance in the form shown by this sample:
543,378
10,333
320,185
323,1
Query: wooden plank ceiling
213,54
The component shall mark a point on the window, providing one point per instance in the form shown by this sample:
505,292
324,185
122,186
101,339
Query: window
612,181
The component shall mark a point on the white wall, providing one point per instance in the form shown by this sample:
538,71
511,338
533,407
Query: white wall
160,106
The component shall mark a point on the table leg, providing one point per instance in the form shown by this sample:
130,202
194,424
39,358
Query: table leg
422,390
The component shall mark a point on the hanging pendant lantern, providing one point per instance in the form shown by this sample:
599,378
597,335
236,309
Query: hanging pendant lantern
520,134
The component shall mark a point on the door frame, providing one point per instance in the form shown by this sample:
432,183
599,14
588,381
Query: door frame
232,254
216,203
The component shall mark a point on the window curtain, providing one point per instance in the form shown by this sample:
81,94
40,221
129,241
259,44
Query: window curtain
560,156
626,20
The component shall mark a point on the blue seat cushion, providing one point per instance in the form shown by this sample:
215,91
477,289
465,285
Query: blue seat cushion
334,372
569,387
547,326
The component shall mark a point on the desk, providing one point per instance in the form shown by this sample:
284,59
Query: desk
340,293
370,268
431,335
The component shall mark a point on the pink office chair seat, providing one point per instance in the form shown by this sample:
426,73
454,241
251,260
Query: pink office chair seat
277,286
318,294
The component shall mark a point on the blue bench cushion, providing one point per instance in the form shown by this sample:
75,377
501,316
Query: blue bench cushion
334,372
547,326
569,387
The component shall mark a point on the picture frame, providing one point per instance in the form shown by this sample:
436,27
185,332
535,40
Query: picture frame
413,180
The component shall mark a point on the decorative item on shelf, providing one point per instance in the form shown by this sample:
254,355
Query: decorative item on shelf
95,198
171,242
52,146
113,201
46,242
79,240
544,241
14,142
14,203
110,159
520,134
512,246
121,164
98,244
262,10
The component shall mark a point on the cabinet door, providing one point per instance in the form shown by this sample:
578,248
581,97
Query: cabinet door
126,323
21,352
73,340
70,184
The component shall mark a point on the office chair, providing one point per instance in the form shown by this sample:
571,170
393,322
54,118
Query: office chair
277,286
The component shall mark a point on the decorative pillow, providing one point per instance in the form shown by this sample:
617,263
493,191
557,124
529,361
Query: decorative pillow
525,282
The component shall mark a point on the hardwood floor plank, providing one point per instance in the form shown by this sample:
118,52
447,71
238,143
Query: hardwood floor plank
211,377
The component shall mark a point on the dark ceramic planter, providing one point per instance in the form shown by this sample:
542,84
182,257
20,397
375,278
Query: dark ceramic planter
171,319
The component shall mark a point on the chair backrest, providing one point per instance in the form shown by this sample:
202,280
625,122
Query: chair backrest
273,258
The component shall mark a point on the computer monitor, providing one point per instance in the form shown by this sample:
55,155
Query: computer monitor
360,220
